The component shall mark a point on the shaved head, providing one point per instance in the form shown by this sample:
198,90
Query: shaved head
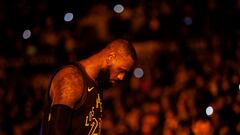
122,47
116,59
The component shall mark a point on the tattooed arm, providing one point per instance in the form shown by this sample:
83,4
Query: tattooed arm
66,89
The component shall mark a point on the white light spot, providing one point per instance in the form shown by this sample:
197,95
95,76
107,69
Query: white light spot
188,20
26,34
118,8
68,17
209,110
138,72
239,87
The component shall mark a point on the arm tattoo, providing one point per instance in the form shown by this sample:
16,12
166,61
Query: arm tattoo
67,87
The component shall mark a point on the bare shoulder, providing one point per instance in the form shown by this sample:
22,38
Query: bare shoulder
67,86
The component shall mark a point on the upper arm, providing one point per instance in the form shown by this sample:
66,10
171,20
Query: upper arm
67,87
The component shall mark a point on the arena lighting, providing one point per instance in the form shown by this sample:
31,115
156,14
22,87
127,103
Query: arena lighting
209,110
68,17
118,8
138,72
187,20
26,34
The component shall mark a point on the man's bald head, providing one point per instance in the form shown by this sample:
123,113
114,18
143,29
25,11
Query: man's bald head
122,47
116,59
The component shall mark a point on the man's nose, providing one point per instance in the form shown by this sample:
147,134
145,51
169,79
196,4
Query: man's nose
121,76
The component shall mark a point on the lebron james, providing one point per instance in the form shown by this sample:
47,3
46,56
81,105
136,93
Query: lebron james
73,104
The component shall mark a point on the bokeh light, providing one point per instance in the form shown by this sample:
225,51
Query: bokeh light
68,17
209,110
138,72
26,34
187,53
118,8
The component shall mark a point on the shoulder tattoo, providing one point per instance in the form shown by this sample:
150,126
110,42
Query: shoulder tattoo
67,87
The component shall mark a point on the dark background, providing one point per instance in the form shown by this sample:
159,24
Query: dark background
189,52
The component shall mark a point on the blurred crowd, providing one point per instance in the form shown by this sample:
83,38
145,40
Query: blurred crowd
189,52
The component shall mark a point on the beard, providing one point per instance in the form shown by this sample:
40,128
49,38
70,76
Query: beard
103,79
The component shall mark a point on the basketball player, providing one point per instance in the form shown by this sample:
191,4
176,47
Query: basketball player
73,104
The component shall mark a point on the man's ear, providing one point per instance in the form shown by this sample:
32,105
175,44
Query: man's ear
110,58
